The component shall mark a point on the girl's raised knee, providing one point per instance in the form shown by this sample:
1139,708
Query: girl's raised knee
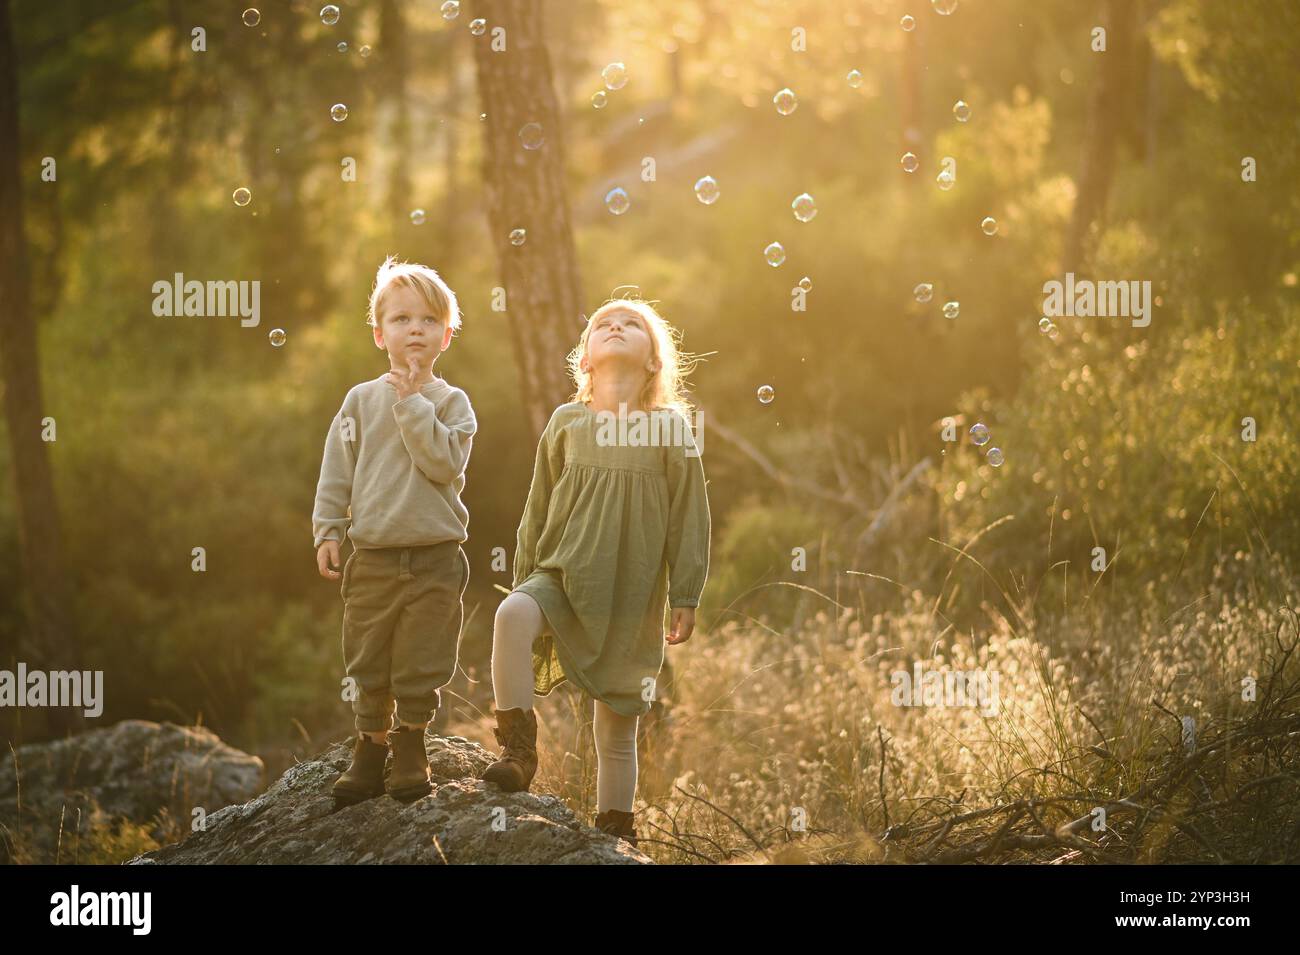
517,613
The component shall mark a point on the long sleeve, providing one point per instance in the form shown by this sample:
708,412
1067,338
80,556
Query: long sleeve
547,466
330,514
689,526
437,436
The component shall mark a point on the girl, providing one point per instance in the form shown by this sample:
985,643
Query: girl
615,527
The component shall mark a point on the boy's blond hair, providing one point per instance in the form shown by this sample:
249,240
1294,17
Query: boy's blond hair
437,293
664,389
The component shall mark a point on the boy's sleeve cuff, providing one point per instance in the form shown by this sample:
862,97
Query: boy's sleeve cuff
410,400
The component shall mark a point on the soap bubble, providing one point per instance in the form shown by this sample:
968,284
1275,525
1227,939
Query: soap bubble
951,309
339,112
855,78
617,201
451,9
804,208
517,236
923,292
417,217
989,225
961,111
944,7
478,26
995,457
1044,324
706,190
979,434
909,162
277,337
252,17
242,196
946,180
364,50
908,23
805,283
766,393
531,136
599,99
615,76
775,254
785,101
329,15
343,46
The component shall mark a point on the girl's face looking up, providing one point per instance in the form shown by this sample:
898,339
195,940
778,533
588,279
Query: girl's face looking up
619,337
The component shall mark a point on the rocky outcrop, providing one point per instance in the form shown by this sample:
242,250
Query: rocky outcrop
463,821
134,770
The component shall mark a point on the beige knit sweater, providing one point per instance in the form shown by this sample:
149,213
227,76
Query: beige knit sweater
394,470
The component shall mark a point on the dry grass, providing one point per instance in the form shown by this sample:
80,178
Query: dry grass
786,746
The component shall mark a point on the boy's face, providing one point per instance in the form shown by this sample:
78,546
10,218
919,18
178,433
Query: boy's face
408,329
619,337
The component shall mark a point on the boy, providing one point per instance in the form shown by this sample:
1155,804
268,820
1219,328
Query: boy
394,469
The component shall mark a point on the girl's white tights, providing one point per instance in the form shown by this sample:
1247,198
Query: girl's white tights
615,759
518,623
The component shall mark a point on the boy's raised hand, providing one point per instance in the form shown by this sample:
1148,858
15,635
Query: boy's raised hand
683,625
405,380
326,555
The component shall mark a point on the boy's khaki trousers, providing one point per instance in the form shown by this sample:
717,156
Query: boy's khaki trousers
402,616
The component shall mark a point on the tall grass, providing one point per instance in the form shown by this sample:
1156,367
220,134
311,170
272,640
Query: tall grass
788,746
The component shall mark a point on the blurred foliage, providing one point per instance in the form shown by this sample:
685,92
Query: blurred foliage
1140,452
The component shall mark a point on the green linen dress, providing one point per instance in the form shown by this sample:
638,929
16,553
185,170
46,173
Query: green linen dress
613,532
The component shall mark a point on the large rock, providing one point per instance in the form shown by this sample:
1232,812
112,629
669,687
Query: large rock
133,770
463,820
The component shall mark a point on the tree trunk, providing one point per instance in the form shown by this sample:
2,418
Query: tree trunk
179,111
301,291
1109,112
448,246
526,190
392,41
909,88
53,643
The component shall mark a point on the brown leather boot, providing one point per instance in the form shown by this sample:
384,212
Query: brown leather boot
516,731
364,779
409,779
617,823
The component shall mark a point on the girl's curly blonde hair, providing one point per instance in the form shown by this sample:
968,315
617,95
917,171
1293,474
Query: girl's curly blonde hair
665,388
